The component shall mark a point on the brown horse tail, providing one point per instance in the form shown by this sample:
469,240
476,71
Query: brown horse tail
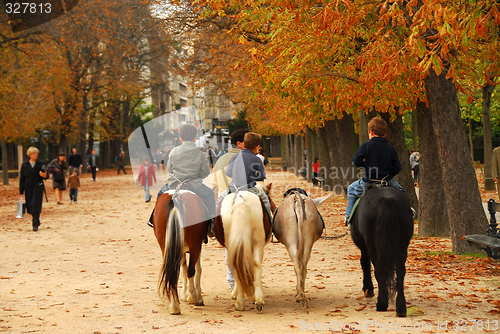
241,248
387,234
174,240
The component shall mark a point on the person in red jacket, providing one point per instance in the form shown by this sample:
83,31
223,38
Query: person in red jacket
315,174
146,176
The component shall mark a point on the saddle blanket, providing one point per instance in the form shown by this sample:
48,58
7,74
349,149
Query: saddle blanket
182,191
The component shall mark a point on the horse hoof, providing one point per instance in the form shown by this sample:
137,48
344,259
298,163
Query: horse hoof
303,303
199,303
175,311
369,294
259,307
381,308
401,314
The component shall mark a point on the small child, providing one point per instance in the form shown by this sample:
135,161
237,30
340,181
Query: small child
379,161
245,169
74,184
187,166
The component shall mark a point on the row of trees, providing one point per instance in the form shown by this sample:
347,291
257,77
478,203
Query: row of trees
83,76
321,68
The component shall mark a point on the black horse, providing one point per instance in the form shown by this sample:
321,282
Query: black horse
382,227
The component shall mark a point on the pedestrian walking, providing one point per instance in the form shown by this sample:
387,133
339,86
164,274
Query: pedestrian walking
58,167
121,163
31,186
93,160
210,156
75,161
415,165
74,184
146,176
315,173
158,157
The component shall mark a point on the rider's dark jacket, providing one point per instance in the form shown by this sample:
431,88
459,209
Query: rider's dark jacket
378,158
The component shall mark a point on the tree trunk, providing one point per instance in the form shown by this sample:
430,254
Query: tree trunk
5,163
275,147
346,144
296,153
20,156
11,151
463,200
286,152
414,130
291,143
471,144
53,151
489,184
363,127
63,144
432,213
302,147
324,159
309,154
106,159
396,137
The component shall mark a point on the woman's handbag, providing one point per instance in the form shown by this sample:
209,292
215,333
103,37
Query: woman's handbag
21,208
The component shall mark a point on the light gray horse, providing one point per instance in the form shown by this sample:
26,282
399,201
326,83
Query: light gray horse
297,225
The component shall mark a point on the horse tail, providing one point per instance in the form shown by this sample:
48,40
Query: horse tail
300,220
172,259
240,247
387,232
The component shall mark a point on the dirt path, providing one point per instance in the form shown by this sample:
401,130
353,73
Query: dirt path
93,268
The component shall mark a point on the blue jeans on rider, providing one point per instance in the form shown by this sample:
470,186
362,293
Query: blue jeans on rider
255,191
358,188
206,195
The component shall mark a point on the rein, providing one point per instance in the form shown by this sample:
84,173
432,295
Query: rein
333,237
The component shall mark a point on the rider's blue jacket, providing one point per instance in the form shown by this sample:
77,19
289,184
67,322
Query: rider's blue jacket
245,168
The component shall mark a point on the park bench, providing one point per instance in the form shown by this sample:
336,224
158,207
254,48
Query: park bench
490,242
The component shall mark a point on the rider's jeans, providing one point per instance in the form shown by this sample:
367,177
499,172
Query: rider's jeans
358,188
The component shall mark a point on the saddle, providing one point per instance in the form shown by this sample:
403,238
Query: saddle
375,184
295,190
292,191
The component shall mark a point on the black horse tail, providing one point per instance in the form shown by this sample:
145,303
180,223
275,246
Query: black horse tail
172,259
387,234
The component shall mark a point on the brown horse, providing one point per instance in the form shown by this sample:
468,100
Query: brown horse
244,229
178,232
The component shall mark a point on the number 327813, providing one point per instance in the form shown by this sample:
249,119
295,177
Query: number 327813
28,8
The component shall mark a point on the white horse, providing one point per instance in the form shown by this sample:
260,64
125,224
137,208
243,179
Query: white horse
297,225
244,230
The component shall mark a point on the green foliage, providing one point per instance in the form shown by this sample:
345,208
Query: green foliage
473,110
239,122
141,114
